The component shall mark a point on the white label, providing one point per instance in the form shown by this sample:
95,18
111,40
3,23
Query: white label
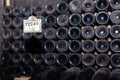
32,25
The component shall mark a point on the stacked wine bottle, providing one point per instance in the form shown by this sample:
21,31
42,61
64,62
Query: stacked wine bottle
80,40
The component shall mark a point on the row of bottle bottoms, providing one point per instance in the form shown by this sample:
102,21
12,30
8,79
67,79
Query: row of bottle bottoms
87,32
63,59
73,6
74,19
62,46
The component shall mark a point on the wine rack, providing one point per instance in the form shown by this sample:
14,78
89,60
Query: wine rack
80,40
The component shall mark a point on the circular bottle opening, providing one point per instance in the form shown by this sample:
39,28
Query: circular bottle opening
62,33
115,45
26,58
38,10
38,59
88,59
62,46
49,9
16,58
102,4
102,46
50,33
115,60
50,59
74,59
115,17
75,46
75,19
88,19
62,20
88,32
62,59
102,18
102,32
49,46
88,46
74,33
102,60
74,6
62,7
115,31
50,20
115,4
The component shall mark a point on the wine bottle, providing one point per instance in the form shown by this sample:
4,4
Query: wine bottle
115,60
50,33
102,4
38,58
88,6
49,46
17,34
53,73
88,59
38,10
7,22
75,19
75,59
27,58
50,20
115,74
49,58
70,74
102,31
17,11
74,32
115,17
115,4
62,33
27,11
50,9
102,60
75,46
88,46
16,58
86,74
102,45
17,46
62,7
88,19
115,45
7,33
62,20
75,6
6,45
102,17
7,11
102,74
88,32
62,46
27,70
6,58
115,31
18,22
62,59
